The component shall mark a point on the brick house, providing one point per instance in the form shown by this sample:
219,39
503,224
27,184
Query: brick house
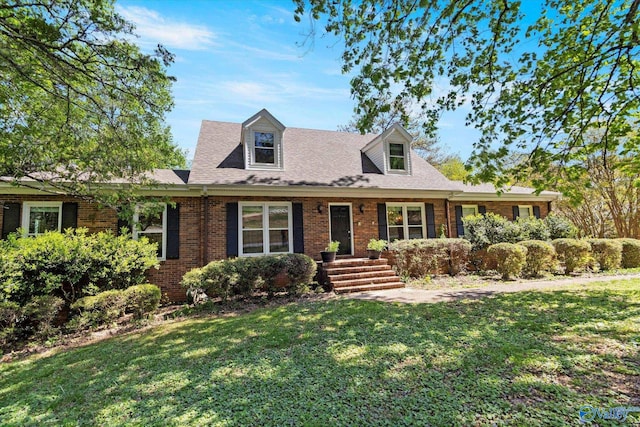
260,188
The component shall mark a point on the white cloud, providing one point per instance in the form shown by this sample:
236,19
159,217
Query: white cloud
155,29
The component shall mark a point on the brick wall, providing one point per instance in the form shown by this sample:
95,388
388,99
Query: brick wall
197,248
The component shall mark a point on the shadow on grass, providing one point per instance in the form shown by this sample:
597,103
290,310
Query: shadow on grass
526,359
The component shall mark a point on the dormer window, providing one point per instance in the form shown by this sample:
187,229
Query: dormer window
262,139
391,151
264,148
396,157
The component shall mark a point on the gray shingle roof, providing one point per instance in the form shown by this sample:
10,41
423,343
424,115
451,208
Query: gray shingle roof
317,158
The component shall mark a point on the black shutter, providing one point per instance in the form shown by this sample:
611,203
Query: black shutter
459,223
123,223
69,215
298,229
431,220
232,229
482,210
382,221
10,218
516,212
173,232
536,211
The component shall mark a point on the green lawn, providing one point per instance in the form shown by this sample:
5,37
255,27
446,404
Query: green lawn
516,359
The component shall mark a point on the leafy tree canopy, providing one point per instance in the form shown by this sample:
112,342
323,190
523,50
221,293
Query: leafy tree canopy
80,103
535,83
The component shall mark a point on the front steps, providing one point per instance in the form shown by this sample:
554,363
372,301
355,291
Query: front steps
360,274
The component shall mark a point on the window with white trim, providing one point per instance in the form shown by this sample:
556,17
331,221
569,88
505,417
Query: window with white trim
264,148
525,211
405,221
468,210
152,224
40,217
265,228
396,157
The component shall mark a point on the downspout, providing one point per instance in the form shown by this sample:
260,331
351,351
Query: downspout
446,215
204,247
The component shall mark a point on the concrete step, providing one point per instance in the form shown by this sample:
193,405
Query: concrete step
370,287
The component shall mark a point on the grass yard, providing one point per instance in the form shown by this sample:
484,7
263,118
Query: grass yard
530,358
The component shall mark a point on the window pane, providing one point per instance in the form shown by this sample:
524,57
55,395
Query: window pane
252,242
150,223
264,155
252,217
264,139
524,212
396,150
279,240
154,238
468,211
396,162
278,217
396,233
415,233
414,215
43,219
394,215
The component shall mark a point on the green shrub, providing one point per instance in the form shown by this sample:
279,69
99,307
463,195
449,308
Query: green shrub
421,257
510,258
532,228
540,257
607,253
489,229
244,276
103,308
142,299
573,254
72,264
630,253
35,319
560,227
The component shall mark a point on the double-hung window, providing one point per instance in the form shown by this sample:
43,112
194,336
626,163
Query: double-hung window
468,210
152,224
405,221
396,157
525,211
264,147
265,228
40,217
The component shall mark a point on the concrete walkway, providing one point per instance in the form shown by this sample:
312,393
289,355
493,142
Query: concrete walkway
412,295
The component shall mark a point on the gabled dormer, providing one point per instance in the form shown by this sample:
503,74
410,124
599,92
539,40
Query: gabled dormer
262,142
391,151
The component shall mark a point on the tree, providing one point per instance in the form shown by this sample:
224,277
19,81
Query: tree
609,205
577,71
454,169
80,104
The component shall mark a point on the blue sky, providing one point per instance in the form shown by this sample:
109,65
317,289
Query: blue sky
234,58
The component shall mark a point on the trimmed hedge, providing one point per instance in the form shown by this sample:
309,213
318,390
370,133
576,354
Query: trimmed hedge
244,276
108,306
630,253
142,299
607,253
72,264
572,253
422,257
540,257
510,258
34,319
